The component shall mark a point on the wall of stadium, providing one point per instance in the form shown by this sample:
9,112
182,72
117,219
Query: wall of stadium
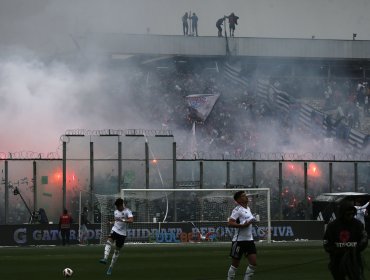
113,43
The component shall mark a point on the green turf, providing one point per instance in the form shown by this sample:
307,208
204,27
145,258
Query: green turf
206,261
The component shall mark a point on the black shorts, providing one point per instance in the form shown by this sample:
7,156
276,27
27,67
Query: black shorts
240,248
119,239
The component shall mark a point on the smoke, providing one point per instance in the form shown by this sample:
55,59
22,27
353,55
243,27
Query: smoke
42,96
39,101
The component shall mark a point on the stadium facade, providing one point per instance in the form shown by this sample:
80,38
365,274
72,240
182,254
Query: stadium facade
55,183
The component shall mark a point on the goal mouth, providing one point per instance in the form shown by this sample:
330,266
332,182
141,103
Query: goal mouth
202,207
100,211
178,215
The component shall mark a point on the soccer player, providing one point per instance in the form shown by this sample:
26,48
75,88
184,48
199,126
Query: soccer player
242,243
344,239
361,211
122,216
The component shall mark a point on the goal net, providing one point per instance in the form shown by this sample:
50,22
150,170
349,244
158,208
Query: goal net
184,215
107,208
101,212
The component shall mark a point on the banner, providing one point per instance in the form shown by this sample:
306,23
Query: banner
40,234
219,231
37,234
201,104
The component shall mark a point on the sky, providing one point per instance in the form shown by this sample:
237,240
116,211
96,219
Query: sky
39,101
47,24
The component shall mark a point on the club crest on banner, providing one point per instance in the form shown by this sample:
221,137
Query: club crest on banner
201,105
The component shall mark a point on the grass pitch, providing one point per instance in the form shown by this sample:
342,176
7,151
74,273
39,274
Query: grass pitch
200,261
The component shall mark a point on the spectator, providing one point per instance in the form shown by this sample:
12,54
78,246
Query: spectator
233,20
185,25
83,229
194,25
42,216
219,24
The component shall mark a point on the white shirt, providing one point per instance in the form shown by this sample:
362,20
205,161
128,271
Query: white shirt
242,215
361,213
121,227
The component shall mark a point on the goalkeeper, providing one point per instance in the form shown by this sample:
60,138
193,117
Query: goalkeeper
344,239
118,234
242,243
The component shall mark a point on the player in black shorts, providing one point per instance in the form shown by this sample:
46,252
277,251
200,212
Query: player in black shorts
240,248
242,220
118,234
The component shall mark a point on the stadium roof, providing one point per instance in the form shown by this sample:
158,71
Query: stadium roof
128,44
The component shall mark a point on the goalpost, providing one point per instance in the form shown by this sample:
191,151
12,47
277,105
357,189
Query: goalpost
101,208
205,211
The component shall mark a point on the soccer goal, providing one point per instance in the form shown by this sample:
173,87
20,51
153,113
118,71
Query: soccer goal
201,212
101,208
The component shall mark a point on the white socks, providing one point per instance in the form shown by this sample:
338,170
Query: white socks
249,272
107,248
231,273
114,257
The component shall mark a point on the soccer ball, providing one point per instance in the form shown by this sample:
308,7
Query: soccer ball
67,272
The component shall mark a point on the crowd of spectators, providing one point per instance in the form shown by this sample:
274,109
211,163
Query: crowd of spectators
235,125
344,100
237,122
229,124
240,122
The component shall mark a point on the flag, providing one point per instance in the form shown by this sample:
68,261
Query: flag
201,104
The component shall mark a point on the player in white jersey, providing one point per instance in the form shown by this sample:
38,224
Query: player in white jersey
361,211
242,220
122,216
